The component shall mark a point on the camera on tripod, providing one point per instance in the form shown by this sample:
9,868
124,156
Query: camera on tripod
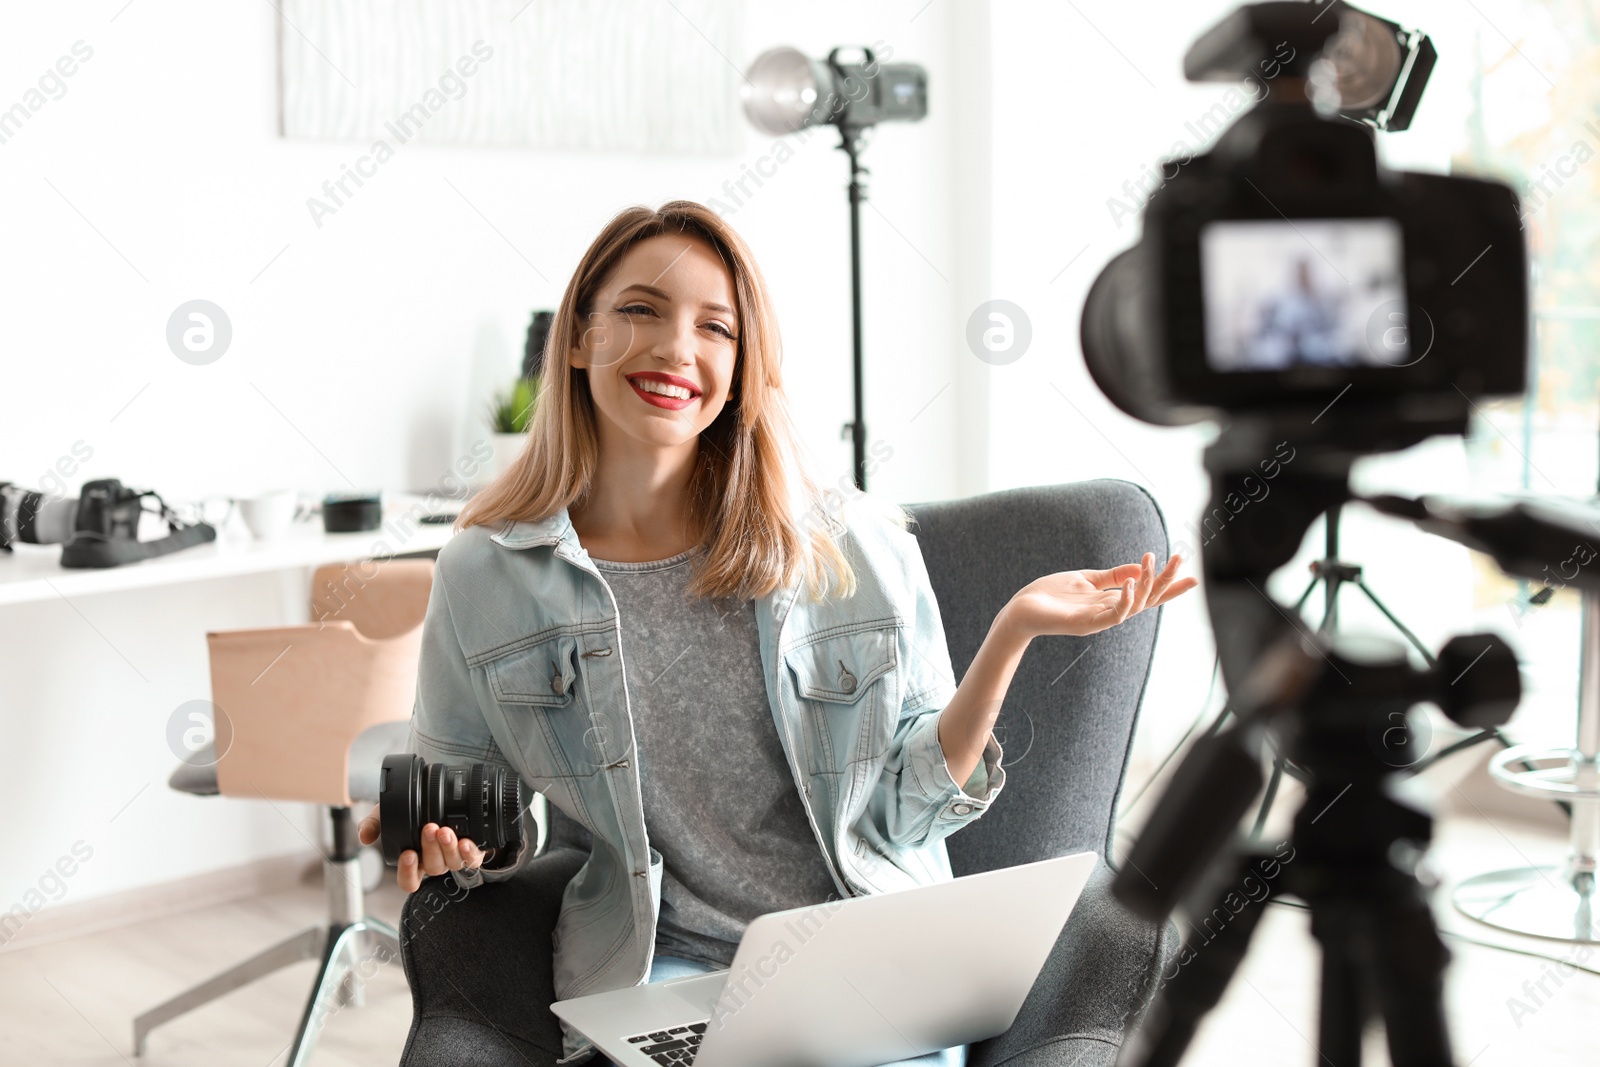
1290,287
1286,267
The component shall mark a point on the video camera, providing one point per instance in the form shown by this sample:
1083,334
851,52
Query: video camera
1288,286
1286,267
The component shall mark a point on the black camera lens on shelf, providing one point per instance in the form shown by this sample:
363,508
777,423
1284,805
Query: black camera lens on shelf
478,801
352,512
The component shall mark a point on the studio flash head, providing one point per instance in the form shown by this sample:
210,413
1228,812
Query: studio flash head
786,91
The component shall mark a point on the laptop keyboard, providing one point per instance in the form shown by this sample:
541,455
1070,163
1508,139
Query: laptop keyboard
673,1047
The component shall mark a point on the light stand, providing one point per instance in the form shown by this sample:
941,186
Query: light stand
850,144
785,92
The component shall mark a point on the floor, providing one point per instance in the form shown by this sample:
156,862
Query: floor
72,1002
1269,1012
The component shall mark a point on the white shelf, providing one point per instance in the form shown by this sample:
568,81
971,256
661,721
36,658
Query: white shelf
33,573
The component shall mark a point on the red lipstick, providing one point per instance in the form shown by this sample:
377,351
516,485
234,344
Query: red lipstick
661,399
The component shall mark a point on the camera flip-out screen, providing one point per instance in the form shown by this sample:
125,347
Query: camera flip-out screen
1280,294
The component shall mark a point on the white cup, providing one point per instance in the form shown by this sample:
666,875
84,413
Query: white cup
270,514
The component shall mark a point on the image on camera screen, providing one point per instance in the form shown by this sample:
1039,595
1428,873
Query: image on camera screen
1280,294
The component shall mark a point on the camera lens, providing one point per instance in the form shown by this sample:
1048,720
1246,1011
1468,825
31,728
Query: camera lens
481,802
1119,345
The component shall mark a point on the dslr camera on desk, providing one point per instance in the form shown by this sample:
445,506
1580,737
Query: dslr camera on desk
1290,288
98,528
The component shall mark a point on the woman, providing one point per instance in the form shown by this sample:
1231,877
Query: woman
788,724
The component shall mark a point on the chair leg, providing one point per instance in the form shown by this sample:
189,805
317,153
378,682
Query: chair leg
377,941
341,875
350,937
349,994
382,940
305,945
339,958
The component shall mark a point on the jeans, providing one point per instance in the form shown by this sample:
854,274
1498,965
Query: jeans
665,967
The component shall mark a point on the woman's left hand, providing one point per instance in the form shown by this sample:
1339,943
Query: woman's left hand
1079,603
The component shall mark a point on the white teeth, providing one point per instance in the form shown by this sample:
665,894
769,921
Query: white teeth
650,385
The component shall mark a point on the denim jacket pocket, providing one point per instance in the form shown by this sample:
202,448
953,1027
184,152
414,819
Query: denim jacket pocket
845,686
541,673
839,668
868,864
535,687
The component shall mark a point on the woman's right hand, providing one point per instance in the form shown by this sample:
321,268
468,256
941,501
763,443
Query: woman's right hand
441,851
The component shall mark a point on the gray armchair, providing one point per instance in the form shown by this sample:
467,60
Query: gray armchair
479,963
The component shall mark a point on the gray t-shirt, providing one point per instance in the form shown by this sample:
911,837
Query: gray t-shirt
720,801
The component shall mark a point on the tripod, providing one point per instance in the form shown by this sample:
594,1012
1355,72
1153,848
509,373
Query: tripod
1381,954
1334,573
1356,842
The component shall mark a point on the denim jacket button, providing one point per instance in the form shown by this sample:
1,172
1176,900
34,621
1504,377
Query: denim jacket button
558,685
847,681
962,809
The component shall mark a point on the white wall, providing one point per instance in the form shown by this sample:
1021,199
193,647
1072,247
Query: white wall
376,333
364,350
362,355
1087,97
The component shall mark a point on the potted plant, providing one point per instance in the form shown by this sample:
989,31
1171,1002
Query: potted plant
508,419
512,409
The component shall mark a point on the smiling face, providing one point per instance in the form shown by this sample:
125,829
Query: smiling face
660,342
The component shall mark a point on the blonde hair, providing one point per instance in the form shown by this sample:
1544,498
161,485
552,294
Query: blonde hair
761,515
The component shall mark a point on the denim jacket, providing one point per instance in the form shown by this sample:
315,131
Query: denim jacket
521,664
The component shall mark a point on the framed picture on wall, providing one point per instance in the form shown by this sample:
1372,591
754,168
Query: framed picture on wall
557,75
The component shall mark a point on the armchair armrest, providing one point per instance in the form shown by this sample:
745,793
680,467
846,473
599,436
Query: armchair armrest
480,966
1094,988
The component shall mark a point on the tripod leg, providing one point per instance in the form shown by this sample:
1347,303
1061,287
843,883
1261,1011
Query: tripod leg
1205,965
1305,596
1342,1019
1410,986
1416,643
1267,798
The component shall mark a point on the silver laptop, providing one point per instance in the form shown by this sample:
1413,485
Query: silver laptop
852,983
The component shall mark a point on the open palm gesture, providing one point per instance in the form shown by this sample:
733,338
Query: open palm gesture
1079,603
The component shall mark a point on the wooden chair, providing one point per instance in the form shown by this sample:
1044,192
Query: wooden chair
307,713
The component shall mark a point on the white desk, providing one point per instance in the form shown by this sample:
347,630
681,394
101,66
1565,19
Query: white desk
33,573
99,664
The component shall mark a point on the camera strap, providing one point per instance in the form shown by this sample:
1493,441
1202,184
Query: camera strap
95,548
